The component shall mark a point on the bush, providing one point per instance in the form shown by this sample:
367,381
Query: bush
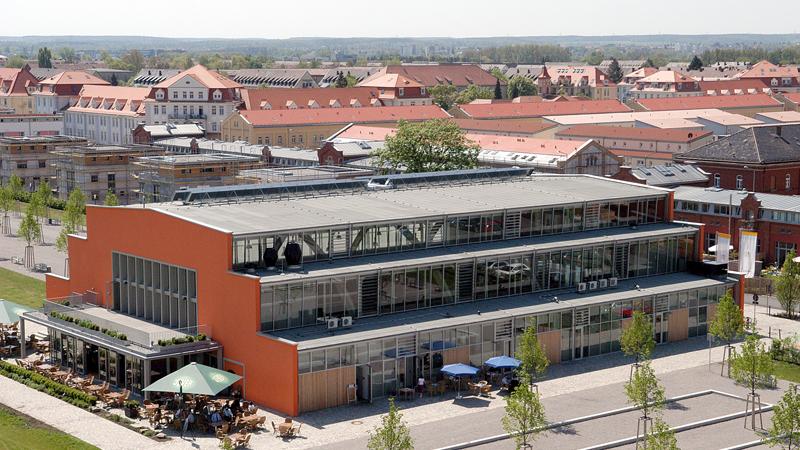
182,340
89,325
784,350
54,203
46,385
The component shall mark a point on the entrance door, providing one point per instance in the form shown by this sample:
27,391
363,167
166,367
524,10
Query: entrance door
661,326
364,383
581,343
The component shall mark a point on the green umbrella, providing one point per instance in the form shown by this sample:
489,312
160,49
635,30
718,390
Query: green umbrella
10,311
195,379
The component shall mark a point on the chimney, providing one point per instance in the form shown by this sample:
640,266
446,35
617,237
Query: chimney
778,130
193,147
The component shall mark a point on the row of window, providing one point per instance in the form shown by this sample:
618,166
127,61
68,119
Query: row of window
787,181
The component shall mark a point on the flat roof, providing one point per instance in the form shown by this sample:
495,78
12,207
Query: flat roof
308,338
196,158
445,255
719,196
388,205
579,119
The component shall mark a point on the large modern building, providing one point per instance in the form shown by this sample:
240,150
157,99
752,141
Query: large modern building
31,158
309,289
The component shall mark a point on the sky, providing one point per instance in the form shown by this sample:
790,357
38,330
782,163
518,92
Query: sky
407,18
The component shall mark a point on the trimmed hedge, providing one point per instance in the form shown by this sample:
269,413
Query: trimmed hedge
784,350
43,384
181,340
89,325
54,203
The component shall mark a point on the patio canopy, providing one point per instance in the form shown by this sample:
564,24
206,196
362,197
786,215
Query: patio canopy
459,370
195,379
10,311
503,362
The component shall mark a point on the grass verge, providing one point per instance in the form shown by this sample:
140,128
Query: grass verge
18,431
787,371
21,289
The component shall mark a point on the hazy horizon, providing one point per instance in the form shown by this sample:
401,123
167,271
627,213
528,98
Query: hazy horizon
411,19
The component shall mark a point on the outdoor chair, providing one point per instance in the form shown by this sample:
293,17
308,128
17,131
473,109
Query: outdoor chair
261,421
296,431
244,441
274,428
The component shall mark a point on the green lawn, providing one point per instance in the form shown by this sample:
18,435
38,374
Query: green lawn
21,289
22,432
787,371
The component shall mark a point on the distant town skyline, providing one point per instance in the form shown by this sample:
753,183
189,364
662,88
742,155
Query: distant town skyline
412,18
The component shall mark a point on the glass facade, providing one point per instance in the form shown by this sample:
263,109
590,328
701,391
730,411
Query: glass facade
306,303
398,361
414,234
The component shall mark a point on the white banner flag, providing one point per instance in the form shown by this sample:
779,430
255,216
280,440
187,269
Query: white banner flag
723,247
747,253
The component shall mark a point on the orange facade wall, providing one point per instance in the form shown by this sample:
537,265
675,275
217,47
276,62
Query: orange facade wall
227,302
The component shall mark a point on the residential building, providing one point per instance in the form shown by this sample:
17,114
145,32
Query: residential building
746,105
304,296
628,66
31,125
196,95
31,158
639,146
328,77
774,217
273,78
98,170
534,111
106,114
56,93
308,128
664,175
159,177
780,78
762,158
312,98
147,134
459,75
629,81
586,81
508,127
398,90
734,87
16,86
665,84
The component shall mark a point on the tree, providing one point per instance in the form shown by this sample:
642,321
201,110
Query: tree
637,339
111,199
785,430
520,86
696,64
392,434
68,55
341,81
498,91
728,324
615,71
74,210
594,58
661,437
473,92
751,366
29,230
443,95
133,60
533,359
497,73
16,62
15,185
6,205
114,81
44,58
429,146
524,417
645,392
649,63
787,284
44,196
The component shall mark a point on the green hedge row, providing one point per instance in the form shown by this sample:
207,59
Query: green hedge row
89,325
48,386
182,340
54,203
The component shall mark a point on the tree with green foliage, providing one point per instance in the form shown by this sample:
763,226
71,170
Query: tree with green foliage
392,434
661,437
531,354
473,92
594,58
525,417
637,339
728,324
645,392
7,203
497,73
752,365
785,430
649,63
44,58
429,146
74,210
520,86
615,71
15,62
443,95
341,81
498,90
44,196
111,199
68,55
696,63
787,284
29,230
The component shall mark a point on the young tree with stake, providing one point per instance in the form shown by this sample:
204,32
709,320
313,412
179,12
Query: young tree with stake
533,359
785,429
645,392
751,366
392,434
525,417
787,284
637,339
728,324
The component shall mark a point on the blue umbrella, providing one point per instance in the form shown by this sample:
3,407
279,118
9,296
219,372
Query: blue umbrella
459,370
503,362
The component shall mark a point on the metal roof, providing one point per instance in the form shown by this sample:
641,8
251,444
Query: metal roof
726,196
361,205
669,175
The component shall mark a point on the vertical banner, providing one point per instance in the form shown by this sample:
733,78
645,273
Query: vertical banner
723,247
747,253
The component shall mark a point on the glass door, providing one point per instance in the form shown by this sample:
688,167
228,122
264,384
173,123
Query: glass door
364,383
581,343
661,326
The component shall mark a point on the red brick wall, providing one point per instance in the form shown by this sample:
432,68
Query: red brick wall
768,180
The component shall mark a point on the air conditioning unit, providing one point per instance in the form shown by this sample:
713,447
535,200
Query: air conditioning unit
602,284
581,287
333,323
592,285
612,282
347,321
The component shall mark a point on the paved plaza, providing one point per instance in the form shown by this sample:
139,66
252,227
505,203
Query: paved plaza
11,246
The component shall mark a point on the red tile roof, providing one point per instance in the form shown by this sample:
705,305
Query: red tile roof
73,77
645,134
389,80
277,98
765,69
640,154
461,75
16,81
366,114
115,100
708,102
206,77
731,85
511,110
502,126
793,97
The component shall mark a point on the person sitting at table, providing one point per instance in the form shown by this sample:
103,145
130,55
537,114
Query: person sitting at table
226,411
504,382
188,422
156,417
236,407
252,408
216,418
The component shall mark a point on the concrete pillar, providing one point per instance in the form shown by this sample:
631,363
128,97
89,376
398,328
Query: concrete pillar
146,378
22,351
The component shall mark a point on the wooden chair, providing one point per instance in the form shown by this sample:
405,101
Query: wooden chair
296,431
261,421
274,428
242,442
